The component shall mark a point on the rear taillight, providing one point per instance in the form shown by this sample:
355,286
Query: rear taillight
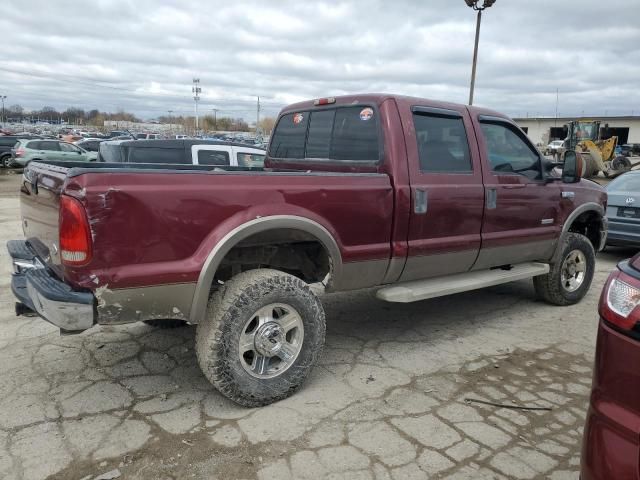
75,235
620,300
19,152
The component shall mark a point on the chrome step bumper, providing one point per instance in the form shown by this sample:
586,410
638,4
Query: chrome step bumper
53,300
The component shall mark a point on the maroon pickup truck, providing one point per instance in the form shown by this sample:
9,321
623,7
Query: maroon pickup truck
417,197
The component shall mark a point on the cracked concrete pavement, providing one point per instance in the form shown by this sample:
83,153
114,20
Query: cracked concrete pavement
395,395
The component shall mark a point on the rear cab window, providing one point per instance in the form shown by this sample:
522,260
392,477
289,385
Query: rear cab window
340,134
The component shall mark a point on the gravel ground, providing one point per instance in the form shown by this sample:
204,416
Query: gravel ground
395,395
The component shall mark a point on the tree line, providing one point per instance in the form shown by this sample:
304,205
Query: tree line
79,116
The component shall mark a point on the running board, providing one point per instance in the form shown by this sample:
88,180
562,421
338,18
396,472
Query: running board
460,282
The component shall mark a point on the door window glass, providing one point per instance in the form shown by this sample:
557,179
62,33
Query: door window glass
213,157
52,146
442,144
509,153
65,147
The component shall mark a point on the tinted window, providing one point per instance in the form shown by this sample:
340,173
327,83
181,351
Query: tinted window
289,137
508,152
32,145
110,153
52,146
355,134
92,146
155,155
250,160
319,137
213,157
8,141
442,144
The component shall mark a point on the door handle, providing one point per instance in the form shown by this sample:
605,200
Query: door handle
491,196
569,195
419,201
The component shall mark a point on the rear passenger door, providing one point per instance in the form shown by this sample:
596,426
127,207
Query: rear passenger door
447,193
522,209
51,150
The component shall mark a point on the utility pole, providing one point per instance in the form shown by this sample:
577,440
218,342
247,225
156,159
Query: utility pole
3,117
215,118
557,97
170,123
196,98
474,4
258,116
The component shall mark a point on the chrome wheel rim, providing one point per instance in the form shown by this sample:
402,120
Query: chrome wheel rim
573,271
271,340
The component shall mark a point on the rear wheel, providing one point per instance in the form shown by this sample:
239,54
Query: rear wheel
621,163
570,277
5,160
263,333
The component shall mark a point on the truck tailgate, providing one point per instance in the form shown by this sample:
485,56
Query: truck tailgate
40,199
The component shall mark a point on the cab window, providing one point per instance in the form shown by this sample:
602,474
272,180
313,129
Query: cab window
508,152
442,144
213,157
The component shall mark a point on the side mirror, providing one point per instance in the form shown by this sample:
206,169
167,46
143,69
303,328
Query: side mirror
573,167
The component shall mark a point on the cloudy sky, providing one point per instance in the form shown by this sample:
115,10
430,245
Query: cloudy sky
141,55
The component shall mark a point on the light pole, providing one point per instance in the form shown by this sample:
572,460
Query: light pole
3,119
196,97
474,4
215,119
170,124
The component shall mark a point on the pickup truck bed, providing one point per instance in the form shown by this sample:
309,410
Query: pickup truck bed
423,198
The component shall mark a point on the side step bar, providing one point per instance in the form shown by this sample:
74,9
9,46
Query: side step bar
460,282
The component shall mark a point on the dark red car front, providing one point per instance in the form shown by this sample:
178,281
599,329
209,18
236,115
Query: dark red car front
611,444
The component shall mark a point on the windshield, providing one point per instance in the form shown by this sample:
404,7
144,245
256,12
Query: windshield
625,183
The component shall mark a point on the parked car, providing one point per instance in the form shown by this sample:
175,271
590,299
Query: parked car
630,149
554,147
26,151
611,439
416,197
7,142
148,136
623,210
90,144
191,151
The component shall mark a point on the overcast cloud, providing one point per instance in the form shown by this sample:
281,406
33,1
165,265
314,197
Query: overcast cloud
142,55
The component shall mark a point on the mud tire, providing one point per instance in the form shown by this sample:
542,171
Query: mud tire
229,308
550,287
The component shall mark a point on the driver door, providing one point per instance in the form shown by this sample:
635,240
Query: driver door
521,209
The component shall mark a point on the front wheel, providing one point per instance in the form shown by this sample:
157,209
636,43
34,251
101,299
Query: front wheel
570,277
263,332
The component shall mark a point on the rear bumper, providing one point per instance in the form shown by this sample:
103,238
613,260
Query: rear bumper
53,300
623,233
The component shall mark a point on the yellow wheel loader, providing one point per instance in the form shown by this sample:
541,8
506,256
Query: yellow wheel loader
599,154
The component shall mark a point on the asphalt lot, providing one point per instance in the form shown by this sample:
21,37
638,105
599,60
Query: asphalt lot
389,399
